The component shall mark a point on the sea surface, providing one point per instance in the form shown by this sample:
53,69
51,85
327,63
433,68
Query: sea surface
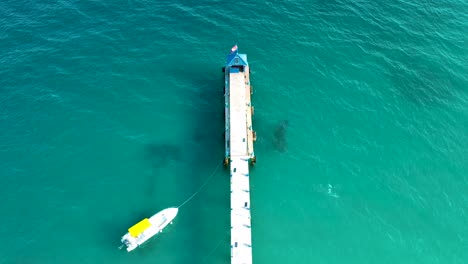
113,110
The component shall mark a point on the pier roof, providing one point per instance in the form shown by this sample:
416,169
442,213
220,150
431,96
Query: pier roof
237,59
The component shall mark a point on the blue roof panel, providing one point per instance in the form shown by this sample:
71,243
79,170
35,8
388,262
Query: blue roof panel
237,59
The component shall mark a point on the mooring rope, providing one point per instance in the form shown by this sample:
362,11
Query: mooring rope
201,187
214,249
195,193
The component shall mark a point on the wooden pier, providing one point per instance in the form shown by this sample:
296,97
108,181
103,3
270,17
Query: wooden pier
239,152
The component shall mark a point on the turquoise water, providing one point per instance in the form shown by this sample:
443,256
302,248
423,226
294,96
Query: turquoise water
110,112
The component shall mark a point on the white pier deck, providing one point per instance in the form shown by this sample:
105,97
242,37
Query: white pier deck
239,127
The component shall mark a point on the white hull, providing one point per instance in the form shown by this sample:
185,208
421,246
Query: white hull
157,223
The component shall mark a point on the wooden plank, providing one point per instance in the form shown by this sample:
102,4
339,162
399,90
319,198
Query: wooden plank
237,115
249,125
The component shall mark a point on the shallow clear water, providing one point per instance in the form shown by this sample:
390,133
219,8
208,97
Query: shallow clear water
110,112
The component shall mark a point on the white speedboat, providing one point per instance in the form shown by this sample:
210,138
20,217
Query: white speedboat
147,228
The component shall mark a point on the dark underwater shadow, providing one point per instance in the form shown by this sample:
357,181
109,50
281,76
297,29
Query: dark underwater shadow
272,137
159,156
280,136
420,81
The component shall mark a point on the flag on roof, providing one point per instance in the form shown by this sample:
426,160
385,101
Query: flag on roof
234,48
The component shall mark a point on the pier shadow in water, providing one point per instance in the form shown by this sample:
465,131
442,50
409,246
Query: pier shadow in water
206,151
201,152
206,93
161,156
